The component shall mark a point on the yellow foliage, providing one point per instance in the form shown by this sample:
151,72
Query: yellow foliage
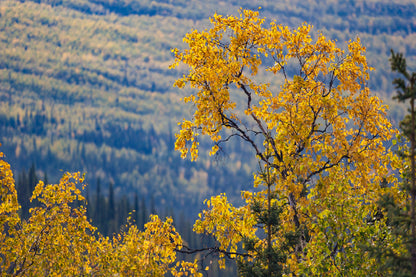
58,240
229,224
322,133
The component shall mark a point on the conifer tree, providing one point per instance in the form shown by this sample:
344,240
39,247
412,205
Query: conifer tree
143,213
110,219
33,179
400,258
24,193
136,208
111,205
45,178
98,203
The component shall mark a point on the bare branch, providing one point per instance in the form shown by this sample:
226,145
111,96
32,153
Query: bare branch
210,250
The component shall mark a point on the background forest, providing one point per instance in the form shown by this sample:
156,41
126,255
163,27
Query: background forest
85,86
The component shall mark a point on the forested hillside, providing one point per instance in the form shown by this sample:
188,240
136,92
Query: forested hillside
85,85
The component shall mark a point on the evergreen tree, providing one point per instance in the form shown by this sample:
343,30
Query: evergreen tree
401,213
123,210
45,178
111,207
136,208
143,214
23,193
33,179
110,220
26,183
152,205
100,210
88,203
272,255
97,211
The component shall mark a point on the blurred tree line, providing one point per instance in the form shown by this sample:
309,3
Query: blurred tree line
85,85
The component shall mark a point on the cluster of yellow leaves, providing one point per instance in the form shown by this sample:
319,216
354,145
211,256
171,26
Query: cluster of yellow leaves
228,224
148,253
322,132
58,240
9,217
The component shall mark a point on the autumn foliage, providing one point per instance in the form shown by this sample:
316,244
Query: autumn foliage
302,104
58,239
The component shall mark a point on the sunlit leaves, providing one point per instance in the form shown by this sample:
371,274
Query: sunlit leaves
322,133
228,224
58,240
148,253
9,217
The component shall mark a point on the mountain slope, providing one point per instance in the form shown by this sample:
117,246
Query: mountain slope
85,85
